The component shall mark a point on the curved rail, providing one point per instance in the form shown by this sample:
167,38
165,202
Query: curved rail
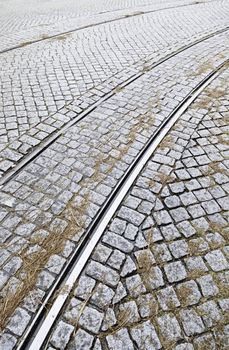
56,134
42,324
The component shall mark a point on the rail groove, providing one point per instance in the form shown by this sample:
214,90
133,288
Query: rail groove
42,324
56,134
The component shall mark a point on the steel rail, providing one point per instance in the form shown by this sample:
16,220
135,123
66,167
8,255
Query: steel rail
41,326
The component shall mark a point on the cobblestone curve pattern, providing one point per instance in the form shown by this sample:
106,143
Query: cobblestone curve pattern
33,88
46,202
159,276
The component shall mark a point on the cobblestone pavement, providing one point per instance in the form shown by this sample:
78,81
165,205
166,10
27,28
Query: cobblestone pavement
159,276
160,267
39,81
22,24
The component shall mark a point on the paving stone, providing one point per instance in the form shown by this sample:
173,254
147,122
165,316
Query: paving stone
102,296
120,340
179,248
216,260
131,216
175,271
188,293
167,298
147,305
179,214
89,318
184,346
130,309
145,336
169,328
162,217
102,273
19,321
120,293
135,285
118,242
191,322
85,287
61,335
81,341
207,285
7,341
129,267
101,253
116,259
205,341
210,313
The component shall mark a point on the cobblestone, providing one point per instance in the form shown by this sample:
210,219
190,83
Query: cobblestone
160,267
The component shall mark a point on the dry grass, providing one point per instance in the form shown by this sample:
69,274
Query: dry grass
203,68
167,142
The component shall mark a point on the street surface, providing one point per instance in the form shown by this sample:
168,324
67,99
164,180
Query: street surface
84,85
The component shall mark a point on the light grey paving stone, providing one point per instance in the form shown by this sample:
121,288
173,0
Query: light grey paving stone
167,298
154,279
84,287
188,293
116,259
179,248
129,267
131,232
120,340
207,285
61,335
131,216
55,264
45,280
33,300
7,341
169,328
205,341
117,241
120,293
89,318
102,296
102,273
179,214
175,271
210,313
109,319
101,253
135,285
147,305
19,321
191,322
170,232
130,309
118,226
4,276
161,253
216,260
81,341
145,336
172,201
162,217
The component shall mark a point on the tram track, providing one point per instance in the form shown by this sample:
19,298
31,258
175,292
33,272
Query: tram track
124,16
42,324
144,68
